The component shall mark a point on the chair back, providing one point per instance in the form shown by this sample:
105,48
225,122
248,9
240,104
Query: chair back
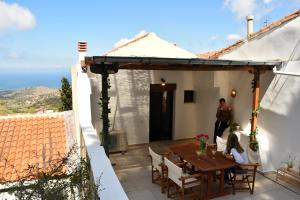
248,169
247,173
174,172
156,159
221,144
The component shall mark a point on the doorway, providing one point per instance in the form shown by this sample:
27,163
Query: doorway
161,112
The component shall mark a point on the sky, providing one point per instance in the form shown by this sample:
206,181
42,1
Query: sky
44,34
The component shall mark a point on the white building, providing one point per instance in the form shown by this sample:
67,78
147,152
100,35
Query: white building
132,91
278,122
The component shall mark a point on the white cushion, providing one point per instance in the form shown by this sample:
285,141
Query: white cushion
221,144
156,159
222,141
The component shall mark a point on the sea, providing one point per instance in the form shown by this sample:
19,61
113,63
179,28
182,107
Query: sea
15,79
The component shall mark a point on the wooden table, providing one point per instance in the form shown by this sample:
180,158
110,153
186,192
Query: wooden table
206,164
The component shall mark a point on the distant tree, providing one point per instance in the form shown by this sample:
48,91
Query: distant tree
65,95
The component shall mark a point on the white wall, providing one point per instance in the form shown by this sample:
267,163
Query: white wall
280,95
130,96
185,114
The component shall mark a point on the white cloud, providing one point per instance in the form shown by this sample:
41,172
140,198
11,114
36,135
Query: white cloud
258,8
233,37
241,8
126,40
6,53
14,55
213,38
267,1
121,42
13,16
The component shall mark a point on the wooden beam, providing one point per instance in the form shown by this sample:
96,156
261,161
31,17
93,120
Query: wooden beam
173,64
255,105
191,67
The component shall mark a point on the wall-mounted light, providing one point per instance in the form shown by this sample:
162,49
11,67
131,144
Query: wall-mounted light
233,93
163,81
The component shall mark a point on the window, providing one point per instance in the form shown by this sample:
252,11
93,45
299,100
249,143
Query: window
188,96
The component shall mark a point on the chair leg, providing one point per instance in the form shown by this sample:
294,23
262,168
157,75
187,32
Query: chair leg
248,182
182,194
168,188
162,183
233,183
182,190
152,174
253,182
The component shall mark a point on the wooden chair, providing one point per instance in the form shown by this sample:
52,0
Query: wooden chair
183,182
244,177
158,170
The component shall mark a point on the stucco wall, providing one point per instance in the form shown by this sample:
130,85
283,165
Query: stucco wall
130,102
280,97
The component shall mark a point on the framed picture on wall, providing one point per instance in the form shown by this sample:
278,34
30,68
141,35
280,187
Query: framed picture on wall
189,96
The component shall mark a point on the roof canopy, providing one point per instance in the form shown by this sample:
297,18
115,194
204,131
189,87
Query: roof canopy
184,64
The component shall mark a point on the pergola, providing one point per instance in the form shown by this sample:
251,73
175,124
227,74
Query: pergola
106,65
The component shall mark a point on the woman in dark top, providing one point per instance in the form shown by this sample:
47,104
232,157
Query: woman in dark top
223,118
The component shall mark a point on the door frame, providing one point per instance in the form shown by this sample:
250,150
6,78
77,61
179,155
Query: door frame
162,88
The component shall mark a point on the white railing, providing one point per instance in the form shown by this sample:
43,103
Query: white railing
103,173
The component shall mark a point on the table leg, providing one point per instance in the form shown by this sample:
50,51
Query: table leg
221,186
221,192
209,185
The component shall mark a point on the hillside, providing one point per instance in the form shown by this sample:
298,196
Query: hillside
29,100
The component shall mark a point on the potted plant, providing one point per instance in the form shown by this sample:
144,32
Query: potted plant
202,138
234,127
290,162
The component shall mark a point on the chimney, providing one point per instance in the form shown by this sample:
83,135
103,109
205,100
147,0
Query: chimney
249,25
82,48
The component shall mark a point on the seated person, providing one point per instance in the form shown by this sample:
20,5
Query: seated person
234,148
224,115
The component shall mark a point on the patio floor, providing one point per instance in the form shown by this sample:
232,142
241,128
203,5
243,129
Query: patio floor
134,172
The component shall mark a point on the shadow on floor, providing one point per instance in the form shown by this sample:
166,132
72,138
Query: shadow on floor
134,172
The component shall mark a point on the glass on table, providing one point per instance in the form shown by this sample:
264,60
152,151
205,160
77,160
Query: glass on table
213,150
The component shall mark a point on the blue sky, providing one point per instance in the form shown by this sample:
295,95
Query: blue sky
44,34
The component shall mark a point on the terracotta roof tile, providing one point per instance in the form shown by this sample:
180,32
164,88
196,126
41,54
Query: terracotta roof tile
216,54
30,140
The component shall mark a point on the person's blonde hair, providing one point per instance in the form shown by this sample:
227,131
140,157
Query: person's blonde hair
233,142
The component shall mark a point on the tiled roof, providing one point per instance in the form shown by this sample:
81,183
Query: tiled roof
206,55
216,54
30,140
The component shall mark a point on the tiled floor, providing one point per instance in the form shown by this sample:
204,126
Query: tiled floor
134,172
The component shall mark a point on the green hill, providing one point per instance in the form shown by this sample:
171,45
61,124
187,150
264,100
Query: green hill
29,100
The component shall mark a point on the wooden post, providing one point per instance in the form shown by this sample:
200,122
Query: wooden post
105,111
104,70
255,105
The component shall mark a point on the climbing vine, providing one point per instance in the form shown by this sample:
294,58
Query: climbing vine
104,69
104,102
253,144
